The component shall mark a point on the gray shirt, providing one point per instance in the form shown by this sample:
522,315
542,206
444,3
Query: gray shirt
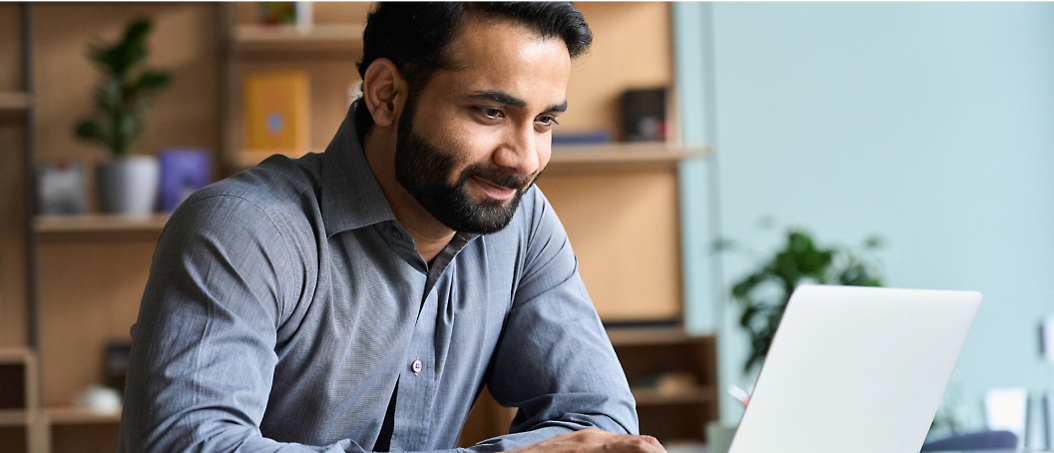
286,302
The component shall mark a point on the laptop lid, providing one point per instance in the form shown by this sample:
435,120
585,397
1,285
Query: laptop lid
855,369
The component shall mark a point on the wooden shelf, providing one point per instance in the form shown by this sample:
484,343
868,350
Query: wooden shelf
99,223
647,336
290,37
647,397
15,356
14,417
75,416
14,101
621,156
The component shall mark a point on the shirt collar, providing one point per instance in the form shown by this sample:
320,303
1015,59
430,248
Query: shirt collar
351,196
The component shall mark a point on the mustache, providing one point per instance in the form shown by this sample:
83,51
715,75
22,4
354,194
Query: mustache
499,177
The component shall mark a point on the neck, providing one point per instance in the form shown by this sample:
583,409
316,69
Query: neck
430,235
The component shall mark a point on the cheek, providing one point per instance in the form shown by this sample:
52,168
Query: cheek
472,143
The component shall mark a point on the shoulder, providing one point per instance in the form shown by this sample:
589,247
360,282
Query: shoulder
277,184
277,199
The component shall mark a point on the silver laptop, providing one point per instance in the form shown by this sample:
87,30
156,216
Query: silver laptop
856,370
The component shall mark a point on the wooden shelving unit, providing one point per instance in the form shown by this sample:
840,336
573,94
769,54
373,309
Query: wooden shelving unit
19,400
647,397
680,412
326,51
74,416
621,157
15,101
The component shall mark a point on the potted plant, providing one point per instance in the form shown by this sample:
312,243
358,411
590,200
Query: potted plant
126,183
763,294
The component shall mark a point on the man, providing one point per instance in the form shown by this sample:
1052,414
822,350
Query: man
360,299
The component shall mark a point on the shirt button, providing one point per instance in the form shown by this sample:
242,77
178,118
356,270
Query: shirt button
416,366
396,234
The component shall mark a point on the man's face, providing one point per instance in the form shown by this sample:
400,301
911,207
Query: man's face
476,137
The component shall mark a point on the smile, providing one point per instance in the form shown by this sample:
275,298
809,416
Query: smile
493,190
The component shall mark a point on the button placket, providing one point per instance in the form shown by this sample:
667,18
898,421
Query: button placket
416,392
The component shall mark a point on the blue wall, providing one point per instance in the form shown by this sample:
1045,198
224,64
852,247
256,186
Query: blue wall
931,124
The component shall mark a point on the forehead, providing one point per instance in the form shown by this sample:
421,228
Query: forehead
505,56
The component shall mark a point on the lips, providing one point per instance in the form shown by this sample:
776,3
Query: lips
493,190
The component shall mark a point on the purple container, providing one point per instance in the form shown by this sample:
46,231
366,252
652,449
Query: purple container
183,171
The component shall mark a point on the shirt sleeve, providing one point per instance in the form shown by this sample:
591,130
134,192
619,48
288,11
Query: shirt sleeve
555,362
203,346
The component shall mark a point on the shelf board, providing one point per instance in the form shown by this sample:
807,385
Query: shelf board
15,355
621,156
77,416
14,101
291,37
623,336
14,417
100,223
647,397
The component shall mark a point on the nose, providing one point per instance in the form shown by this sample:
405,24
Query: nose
520,150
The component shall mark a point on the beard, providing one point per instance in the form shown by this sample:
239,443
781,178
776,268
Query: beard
424,171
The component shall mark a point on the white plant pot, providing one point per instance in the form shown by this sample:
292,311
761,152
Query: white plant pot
128,185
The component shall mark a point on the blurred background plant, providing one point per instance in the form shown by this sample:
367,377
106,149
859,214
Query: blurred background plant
125,90
764,292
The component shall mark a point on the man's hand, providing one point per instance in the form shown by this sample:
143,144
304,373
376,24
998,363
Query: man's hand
594,440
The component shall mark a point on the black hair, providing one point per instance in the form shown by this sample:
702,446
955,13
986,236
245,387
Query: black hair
415,36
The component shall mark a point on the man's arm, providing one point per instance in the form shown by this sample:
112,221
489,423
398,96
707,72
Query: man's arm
203,346
555,362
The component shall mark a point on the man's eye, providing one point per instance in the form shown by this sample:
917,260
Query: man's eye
491,113
548,120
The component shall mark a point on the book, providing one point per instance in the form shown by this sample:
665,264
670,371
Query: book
276,109
183,171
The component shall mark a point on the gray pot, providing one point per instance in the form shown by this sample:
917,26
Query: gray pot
127,185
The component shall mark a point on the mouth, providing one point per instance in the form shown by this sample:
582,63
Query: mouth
494,191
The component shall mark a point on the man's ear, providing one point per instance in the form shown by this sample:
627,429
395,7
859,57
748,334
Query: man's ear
384,92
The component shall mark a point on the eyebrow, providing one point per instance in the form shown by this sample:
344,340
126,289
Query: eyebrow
508,99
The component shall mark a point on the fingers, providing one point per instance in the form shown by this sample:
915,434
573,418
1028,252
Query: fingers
592,440
595,440
643,444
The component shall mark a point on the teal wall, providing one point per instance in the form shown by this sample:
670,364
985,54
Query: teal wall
931,124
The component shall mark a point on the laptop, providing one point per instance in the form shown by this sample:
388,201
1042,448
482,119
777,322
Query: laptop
856,370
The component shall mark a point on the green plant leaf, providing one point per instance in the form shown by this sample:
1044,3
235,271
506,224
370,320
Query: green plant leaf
745,286
108,94
123,93
748,315
150,80
800,259
91,130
